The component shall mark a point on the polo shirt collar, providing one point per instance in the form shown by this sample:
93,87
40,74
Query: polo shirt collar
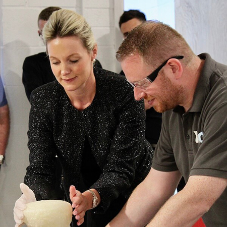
202,88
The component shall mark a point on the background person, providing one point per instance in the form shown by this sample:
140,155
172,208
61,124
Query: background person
89,118
129,20
191,92
36,68
4,123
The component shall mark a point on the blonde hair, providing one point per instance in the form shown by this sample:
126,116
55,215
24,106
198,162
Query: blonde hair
155,42
64,22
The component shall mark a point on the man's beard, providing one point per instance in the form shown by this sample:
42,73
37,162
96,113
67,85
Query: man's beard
170,98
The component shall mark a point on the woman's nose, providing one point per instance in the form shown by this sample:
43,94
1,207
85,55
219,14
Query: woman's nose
65,70
138,94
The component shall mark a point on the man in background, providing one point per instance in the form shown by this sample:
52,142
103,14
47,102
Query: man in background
129,20
4,123
36,68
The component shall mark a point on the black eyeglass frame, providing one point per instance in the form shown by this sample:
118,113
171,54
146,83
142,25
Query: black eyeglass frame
154,74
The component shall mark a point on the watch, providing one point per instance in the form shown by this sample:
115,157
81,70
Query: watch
1,159
95,201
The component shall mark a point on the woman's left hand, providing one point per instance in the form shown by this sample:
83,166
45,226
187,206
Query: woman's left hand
80,203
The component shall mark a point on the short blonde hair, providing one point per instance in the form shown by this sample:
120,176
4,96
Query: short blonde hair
64,22
155,42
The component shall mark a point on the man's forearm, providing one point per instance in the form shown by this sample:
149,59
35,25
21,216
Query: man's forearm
187,206
145,201
137,211
176,212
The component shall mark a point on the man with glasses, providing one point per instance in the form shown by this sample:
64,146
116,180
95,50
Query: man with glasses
191,92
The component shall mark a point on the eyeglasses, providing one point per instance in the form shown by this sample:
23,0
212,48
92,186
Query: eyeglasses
144,83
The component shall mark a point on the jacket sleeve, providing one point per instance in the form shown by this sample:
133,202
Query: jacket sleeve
129,159
40,175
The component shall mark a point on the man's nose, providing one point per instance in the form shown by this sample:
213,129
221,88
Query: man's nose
139,94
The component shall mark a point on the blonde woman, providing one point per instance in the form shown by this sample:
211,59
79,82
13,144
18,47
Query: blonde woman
89,118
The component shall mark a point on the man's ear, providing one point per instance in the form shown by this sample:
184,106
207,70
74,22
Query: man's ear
176,67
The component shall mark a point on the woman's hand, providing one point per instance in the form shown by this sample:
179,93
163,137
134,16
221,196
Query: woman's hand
80,203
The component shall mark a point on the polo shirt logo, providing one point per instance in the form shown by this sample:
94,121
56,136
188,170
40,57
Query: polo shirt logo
198,137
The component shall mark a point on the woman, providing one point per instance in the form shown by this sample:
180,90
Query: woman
90,120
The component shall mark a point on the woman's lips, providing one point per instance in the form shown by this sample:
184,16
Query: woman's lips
69,80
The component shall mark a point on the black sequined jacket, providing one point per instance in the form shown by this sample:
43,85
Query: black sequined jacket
114,125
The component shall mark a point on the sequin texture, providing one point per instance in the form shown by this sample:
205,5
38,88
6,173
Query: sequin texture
114,124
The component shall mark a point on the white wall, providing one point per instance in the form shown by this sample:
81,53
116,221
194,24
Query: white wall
161,10
18,39
203,24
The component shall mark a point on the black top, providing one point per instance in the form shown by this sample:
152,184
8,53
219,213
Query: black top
153,125
90,170
113,126
37,72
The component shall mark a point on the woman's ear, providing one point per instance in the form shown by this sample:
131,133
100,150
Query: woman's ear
94,52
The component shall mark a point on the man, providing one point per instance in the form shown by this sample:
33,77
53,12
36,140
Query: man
4,123
36,68
128,21
191,92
